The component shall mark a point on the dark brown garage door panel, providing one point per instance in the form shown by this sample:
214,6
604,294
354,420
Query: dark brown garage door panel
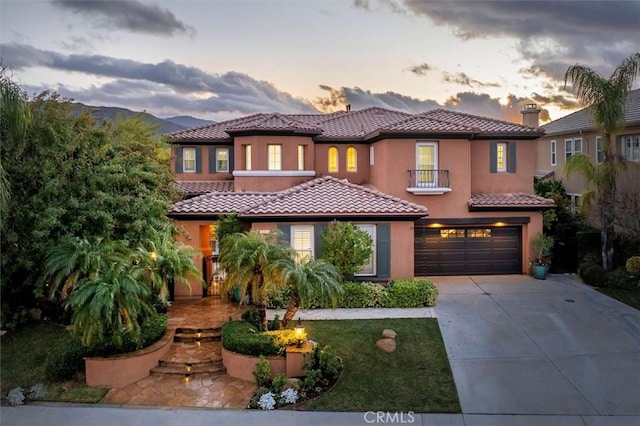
476,251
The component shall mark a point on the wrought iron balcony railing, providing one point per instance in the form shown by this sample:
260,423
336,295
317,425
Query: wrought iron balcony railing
428,179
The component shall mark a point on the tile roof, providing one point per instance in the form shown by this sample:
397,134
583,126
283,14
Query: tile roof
358,125
324,196
580,120
203,186
506,200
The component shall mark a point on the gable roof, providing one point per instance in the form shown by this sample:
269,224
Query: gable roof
361,125
581,120
321,197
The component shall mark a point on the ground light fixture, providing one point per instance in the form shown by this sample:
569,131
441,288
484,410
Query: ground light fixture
299,332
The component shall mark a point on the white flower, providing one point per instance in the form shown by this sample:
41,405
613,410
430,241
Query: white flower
289,396
267,401
16,396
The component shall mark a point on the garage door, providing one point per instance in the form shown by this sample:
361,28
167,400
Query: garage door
467,251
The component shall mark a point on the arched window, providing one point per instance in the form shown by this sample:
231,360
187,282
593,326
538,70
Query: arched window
333,159
352,159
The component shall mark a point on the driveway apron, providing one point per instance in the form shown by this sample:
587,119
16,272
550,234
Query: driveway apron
523,346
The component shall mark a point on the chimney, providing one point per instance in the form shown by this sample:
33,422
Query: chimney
530,115
348,107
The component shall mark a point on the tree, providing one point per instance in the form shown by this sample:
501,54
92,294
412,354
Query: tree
246,258
308,279
606,102
346,247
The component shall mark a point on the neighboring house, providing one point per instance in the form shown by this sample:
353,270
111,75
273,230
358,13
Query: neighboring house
440,192
576,133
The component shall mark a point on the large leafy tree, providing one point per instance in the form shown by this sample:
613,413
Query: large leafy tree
346,246
605,99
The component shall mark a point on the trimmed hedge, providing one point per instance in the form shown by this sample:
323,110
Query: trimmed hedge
592,274
151,330
404,293
243,338
62,363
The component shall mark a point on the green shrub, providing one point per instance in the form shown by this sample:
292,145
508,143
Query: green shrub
633,266
279,381
251,316
346,247
244,338
63,362
263,372
151,330
329,363
283,338
278,297
619,278
408,293
593,274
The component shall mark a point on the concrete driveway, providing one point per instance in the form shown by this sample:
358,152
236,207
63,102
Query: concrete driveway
523,346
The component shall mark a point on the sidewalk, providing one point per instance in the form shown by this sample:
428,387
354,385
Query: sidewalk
356,313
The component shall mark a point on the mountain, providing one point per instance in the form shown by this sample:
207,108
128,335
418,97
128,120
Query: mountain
164,125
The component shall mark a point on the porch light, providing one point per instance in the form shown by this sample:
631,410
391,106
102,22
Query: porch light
299,332
215,288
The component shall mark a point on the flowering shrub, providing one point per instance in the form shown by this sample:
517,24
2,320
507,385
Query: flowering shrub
37,391
16,396
289,396
267,401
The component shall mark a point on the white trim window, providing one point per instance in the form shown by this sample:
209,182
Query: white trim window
372,152
369,268
572,147
274,155
554,153
189,160
501,157
222,160
427,164
599,150
300,157
302,241
630,147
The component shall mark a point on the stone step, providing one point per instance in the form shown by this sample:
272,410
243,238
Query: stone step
183,371
193,330
192,335
192,353
198,364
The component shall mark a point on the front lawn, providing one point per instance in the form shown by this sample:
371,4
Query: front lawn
416,377
23,358
629,297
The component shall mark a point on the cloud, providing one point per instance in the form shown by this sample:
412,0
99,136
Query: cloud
464,80
231,91
130,15
421,69
561,101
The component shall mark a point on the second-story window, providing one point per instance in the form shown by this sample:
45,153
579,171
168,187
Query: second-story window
571,147
222,160
501,157
352,159
247,157
274,154
189,160
599,150
300,157
333,159
554,152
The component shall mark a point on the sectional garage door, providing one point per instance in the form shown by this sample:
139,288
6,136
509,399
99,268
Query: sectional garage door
467,251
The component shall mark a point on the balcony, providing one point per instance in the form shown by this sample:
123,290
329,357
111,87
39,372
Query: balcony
428,182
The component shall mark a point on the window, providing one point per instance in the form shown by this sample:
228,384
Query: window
599,150
452,233
300,157
302,241
247,157
222,160
371,155
575,201
554,153
426,164
352,159
274,153
571,147
189,160
369,268
333,159
631,147
479,233
501,157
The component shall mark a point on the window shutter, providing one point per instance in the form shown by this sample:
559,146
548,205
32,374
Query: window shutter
511,161
285,230
178,151
212,159
231,159
493,157
198,159
383,246
318,230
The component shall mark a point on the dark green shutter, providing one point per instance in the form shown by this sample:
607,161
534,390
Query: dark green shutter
198,159
383,248
231,159
285,232
511,162
212,159
493,157
318,231
178,159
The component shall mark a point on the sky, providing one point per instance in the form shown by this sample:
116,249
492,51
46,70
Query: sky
218,59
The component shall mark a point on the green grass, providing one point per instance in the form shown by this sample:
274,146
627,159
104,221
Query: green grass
22,363
416,377
629,297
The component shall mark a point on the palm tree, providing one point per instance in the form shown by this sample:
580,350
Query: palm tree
246,259
606,102
163,258
308,279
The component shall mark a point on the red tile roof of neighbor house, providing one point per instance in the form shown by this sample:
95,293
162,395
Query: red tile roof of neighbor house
324,196
359,125
506,200
203,187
